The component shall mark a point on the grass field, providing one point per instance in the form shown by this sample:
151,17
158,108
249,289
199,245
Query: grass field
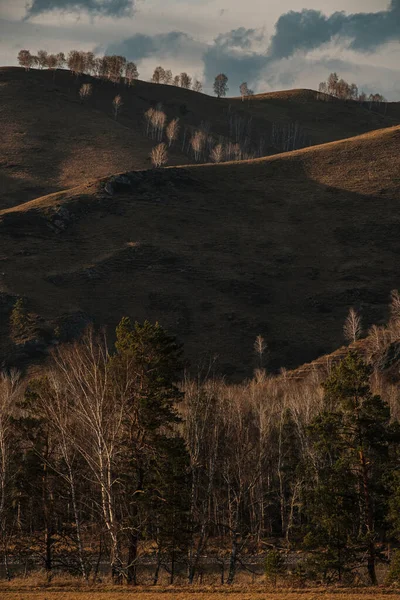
198,594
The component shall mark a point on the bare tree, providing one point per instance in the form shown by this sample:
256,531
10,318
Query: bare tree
158,75
159,156
395,306
75,62
244,90
172,131
25,59
197,86
168,77
197,143
85,91
115,67
42,58
217,153
177,80
352,326
221,85
89,62
117,104
260,349
159,120
186,81
97,409
52,61
61,60
131,72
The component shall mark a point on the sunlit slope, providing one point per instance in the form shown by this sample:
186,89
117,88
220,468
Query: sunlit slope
52,141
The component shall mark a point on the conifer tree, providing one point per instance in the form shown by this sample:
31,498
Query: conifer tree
146,365
350,443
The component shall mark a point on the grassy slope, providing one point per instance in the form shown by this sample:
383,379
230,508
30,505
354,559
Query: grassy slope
50,141
279,246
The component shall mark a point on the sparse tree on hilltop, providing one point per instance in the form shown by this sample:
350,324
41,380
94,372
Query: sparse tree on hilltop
25,59
186,81
158,75
75,62
42,58
177,80
168,77
197,86
131,72
61,60
159,156
221,85
244,90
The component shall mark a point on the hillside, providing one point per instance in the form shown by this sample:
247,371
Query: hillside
281,246
52,141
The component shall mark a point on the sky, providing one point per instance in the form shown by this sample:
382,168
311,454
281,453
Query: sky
270,44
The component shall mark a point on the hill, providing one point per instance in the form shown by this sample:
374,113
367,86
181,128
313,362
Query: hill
281,246
52,141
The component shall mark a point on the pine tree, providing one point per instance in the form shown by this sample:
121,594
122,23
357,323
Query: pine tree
350,444
147,363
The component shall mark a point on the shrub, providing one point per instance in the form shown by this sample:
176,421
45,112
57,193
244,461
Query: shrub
19,319
394,569
274,565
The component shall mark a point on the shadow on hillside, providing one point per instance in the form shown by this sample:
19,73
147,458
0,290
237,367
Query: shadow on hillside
65,142
217,258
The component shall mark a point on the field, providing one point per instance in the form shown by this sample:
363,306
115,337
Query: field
232,593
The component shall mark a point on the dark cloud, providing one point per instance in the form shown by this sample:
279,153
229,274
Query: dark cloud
231,54
110,8
310,29
141,46
296,34
238,38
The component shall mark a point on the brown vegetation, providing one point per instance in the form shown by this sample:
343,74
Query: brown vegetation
51,142
281,247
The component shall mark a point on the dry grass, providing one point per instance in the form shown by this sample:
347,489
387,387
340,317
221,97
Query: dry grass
51,141
279,246
196,593
65,588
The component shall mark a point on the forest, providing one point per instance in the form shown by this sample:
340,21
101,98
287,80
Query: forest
114,460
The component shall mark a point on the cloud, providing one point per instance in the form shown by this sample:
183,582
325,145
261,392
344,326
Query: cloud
108,8
232,54
310,29
141,46
244,54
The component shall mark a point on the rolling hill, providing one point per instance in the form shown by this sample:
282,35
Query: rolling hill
281,246
52,141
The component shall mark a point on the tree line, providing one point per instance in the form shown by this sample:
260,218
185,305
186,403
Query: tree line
339,88
115,68
113,460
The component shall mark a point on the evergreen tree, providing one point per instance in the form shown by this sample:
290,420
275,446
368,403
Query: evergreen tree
147,364
350,445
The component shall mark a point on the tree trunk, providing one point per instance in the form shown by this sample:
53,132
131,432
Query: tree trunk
233,557
369,521
132,558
